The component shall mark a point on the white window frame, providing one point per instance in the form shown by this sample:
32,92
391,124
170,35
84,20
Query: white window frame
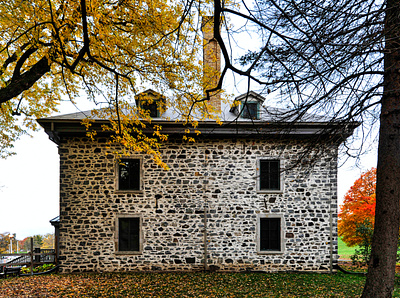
116,235
242,111
281,177
282,227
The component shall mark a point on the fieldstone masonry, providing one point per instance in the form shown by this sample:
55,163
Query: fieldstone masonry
212,177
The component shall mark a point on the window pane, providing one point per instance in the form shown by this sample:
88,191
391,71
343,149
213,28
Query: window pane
129,174
250,110
128,238
270,175
152,108
270,234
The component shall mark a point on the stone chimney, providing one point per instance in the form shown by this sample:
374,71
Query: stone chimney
211,61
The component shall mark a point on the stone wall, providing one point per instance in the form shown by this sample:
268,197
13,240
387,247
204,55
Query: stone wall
218,176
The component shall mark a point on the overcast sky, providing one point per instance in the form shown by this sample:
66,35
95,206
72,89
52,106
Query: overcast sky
29,187
29,180
29,195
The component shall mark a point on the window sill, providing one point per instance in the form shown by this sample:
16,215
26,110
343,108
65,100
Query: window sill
277,191
122,253
128,191
270,252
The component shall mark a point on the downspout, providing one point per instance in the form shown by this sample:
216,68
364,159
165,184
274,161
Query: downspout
331,223
205,235
330,236
205,240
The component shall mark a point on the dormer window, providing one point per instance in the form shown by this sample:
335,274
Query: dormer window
250,110
248,106
151,102
151,107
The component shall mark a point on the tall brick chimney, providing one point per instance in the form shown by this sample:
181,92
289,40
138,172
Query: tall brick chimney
211,61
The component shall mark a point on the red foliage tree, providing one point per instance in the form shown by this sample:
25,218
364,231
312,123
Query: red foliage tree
24,244
358,206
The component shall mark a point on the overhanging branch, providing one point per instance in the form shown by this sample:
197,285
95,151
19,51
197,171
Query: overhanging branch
25,81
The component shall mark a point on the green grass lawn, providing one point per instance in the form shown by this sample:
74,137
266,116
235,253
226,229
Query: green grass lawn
345,252
190,284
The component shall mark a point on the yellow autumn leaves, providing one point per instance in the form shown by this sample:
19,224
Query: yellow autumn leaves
112,50
178,284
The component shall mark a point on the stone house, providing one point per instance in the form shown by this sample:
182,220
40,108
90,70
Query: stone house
236,199
231,198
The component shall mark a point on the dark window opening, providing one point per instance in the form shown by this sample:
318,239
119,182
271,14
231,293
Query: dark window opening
152,108
270,234
129,174
270,175
129,234
250,110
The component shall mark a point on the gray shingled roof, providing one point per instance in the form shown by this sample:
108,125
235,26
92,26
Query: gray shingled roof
273,122
269,114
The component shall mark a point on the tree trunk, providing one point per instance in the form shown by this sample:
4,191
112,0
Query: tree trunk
381,269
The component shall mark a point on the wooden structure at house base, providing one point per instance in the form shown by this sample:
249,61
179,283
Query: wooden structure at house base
31,259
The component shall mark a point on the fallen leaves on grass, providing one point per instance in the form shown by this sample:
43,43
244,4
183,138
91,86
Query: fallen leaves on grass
183,285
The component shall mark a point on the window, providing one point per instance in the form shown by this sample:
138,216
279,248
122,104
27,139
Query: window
248,105
128,233
152,102
269,176
270,233
250,110
152,108
129,174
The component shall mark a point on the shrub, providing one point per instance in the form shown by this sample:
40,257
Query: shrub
364,231
42,268
362,254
